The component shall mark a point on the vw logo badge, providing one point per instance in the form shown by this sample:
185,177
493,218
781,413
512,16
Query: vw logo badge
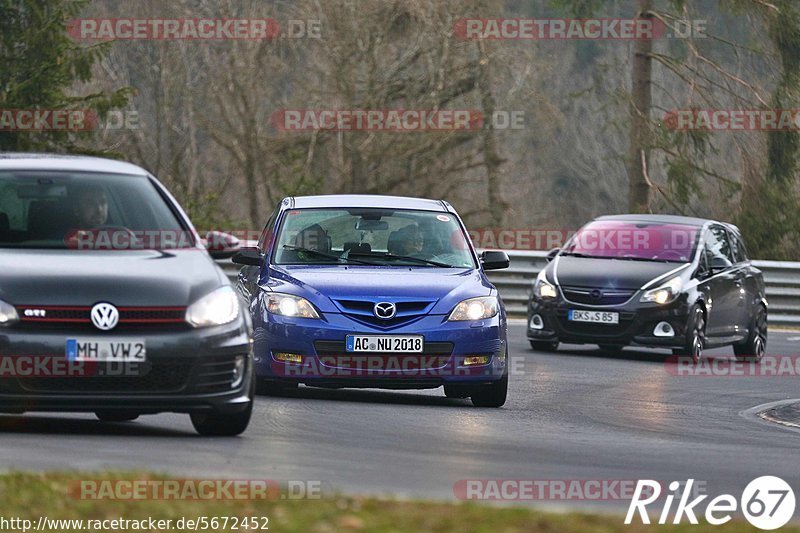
596,294
104,316
384,310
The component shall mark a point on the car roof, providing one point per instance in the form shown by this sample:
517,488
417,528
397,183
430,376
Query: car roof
663,219
69,163
365,200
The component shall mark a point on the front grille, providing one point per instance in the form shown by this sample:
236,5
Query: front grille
79,317
407,311
163,376
588,296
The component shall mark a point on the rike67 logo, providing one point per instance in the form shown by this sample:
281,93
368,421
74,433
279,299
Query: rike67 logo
767,502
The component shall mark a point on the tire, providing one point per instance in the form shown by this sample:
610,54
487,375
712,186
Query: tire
492,395
217,424
754,348
274,388
544,346
456,391
695,336
116,416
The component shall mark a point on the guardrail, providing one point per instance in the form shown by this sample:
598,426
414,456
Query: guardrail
514,283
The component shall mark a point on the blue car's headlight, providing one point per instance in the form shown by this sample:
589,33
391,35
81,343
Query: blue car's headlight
475,309
214,309
290,305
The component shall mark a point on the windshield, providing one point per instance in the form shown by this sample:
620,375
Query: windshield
372,236
634,240
45,209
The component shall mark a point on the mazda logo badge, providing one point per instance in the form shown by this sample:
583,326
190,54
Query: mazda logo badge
384,310
104,316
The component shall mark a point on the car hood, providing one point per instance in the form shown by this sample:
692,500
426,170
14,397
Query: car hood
323,285
129,278
607,273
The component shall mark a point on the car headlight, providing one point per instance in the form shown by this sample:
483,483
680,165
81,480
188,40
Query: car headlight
214,309
665,293
290,305
543,288
8,315
475,309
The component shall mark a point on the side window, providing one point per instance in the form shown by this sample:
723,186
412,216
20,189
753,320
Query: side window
266,233
735,251
742,250
717,244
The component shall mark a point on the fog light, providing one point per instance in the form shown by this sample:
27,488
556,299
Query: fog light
289,357
472,360
238,370
664,329
536,322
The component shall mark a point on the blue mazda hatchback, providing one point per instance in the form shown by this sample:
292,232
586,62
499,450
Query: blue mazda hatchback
378,292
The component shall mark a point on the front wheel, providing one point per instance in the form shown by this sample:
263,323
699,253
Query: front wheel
544,346
695,336
492,395
754,348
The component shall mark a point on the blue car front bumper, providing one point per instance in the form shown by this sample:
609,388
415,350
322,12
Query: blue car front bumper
325,361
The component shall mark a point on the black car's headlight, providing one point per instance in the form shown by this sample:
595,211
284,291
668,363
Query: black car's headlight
475,309
543,288
665,293
214,309
8,315
282,304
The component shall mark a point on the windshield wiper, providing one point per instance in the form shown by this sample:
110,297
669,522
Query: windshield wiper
338,258
578,254
411,258
628,258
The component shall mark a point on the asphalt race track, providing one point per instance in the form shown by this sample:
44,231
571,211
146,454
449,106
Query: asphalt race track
577,414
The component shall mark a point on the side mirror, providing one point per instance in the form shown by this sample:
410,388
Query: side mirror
494,260
552,254
719,263
221,245
248,256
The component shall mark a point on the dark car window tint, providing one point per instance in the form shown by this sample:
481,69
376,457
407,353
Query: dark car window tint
717,244
266,233
44,209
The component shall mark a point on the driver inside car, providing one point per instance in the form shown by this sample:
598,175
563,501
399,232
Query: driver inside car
91,207
407,241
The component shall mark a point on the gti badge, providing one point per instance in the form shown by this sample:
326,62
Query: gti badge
104,316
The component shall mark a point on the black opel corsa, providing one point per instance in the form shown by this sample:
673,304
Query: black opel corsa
110,302
662,281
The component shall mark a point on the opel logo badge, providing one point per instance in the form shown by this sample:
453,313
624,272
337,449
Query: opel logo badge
384,310
104,316
596,294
